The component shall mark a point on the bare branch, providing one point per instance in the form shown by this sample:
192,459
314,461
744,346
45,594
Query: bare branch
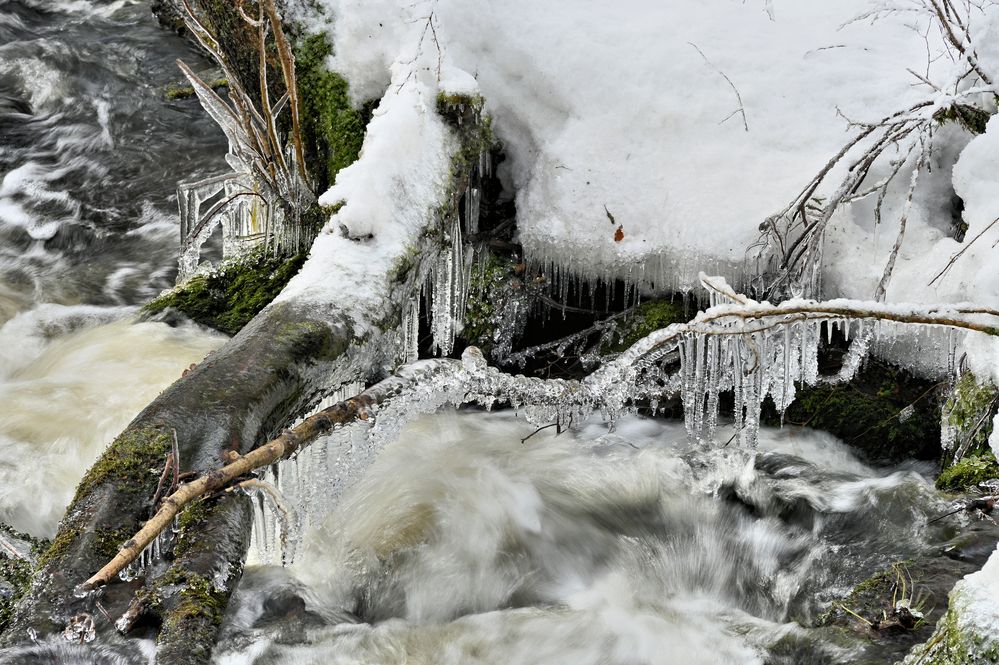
741,110
879,293
964,249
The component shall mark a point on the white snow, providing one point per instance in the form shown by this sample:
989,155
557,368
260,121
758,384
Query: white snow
630,110
648,140
974,600
387,197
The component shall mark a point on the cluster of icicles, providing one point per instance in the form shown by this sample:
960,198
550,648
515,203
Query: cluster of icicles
751,361
447,287
752,356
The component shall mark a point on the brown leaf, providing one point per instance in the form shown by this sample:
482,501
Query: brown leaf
619,234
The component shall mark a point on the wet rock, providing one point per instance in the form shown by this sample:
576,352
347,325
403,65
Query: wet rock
892,606
974,546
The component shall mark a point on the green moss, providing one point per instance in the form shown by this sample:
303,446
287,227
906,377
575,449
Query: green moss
129,462
403,265
971,118
871,412
491,284
950,645
15,575
108,541
869,597
332,129
969,472
967,410
232,295
649,317
199,611
64,538
175,92
187,524
455,105
15,578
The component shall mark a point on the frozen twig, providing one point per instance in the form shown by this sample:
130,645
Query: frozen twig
789,249
879,293
741,110
953,259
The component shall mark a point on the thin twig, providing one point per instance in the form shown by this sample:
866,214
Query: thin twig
543,427
742,107
880,292
964,249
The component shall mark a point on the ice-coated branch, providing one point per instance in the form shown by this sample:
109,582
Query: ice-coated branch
880,292
284,446
609,388
788,252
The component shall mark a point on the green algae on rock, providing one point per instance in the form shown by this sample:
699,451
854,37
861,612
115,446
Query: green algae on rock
227,298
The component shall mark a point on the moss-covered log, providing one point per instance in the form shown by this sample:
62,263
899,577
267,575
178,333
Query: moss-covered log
232,401
237,398
227,298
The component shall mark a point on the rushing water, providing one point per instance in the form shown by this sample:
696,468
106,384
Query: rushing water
90,154
463,544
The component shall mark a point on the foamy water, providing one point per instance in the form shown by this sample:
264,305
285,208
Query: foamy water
462,544
90,155
70,381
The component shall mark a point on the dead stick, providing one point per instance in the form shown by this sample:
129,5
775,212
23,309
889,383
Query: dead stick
284,446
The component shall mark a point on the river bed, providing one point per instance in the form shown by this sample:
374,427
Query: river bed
462,543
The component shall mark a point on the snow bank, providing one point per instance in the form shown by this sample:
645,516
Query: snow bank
626,115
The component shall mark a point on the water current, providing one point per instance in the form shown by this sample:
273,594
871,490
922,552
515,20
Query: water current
90,154
463,543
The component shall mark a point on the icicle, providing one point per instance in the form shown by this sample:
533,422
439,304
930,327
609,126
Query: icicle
700,361
737,379
411,332
687,359
283,520
714,385
449,282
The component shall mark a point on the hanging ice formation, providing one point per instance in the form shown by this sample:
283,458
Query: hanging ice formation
259,202
754,350
228,201
446,289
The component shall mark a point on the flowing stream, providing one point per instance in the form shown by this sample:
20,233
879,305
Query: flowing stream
90,154
463,543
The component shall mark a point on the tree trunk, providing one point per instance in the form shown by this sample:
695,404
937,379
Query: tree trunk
236,399
231,401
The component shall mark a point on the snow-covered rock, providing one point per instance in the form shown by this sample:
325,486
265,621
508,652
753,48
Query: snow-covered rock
968,634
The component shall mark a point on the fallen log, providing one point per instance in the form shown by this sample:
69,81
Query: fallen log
307,341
